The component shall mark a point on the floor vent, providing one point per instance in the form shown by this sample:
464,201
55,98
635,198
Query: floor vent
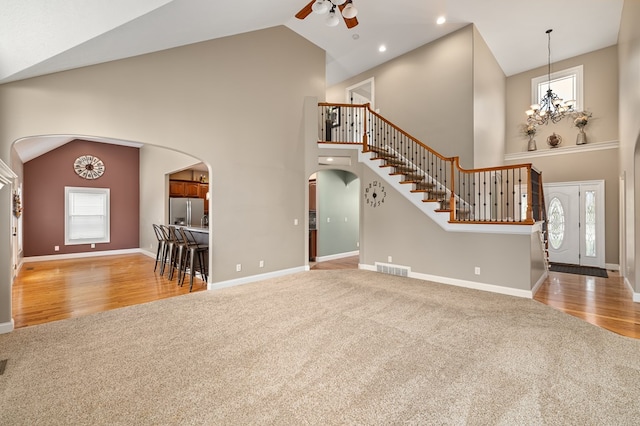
385,268
3,365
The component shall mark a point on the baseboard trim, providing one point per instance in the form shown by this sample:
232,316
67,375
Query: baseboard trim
636,296
254,278
7,327
527,294
537,285
337,256
612,266
80,255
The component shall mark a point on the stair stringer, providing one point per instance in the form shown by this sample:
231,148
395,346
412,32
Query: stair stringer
430,208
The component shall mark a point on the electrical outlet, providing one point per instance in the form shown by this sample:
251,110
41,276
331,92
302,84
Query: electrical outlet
477,271
389,259
56,248
93,245
345,219
328,219
238,267
295,222
357,243
262,263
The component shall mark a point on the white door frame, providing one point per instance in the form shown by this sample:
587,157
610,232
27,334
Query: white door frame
365,89
583,186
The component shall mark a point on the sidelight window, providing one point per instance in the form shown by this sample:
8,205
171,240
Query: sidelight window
590,223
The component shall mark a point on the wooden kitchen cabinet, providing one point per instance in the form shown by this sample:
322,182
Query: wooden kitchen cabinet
202,193
183,188
203,188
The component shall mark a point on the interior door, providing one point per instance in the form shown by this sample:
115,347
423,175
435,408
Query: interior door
575,214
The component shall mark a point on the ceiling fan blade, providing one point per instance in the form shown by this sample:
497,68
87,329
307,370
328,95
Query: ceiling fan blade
352,22
305,11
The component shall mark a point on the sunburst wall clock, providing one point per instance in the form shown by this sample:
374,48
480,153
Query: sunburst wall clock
89,167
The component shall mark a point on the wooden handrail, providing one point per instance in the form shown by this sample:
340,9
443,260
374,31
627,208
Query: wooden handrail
501,186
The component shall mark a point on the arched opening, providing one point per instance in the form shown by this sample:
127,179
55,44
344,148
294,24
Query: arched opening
632,223
132,170
334,215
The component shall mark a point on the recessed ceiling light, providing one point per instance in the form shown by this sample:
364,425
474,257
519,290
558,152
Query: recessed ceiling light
355,36
382,48
441,20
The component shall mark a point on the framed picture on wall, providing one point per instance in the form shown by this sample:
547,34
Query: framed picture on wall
334,116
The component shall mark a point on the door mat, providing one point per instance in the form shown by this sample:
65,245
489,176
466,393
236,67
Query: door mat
578,270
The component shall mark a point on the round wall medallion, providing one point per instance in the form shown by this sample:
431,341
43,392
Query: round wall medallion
88,167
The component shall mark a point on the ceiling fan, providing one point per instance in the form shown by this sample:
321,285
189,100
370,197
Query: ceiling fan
347,10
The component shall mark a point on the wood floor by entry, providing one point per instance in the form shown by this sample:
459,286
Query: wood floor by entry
55,290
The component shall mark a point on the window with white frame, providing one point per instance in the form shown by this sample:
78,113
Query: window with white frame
86,215
567,84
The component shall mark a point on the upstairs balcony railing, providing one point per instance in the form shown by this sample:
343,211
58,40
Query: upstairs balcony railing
496,195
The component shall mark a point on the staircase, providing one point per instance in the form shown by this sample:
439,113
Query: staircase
505,195
432,191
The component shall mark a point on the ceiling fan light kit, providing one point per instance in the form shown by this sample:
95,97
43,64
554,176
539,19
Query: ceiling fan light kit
346,7
349,11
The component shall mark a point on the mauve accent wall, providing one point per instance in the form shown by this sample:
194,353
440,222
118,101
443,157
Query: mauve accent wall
45,178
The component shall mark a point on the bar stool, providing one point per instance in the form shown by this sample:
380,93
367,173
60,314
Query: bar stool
179,249
170,249
162,246
194,251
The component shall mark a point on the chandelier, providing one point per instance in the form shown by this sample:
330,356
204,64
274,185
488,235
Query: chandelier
323,6
551,108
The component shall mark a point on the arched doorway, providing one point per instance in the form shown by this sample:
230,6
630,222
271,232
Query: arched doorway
150,170
334,215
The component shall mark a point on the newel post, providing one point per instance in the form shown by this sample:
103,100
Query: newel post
365,138
452,200
529,196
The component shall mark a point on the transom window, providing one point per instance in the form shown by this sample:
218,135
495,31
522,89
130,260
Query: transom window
86,215
567,84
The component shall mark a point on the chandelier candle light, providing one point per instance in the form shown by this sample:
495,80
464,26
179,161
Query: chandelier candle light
551,107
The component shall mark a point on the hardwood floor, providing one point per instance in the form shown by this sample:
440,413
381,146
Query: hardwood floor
605,302
55,290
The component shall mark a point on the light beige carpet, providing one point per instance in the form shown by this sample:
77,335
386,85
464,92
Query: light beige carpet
322,348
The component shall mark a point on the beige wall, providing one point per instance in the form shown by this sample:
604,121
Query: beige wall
567,163
428,93
564,166
235,103
155,165
600,70
629,64
418,242
489,95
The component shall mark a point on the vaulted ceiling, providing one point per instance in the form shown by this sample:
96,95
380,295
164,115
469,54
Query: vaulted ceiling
40,37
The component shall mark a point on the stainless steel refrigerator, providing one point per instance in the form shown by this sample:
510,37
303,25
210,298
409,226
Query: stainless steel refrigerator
186,211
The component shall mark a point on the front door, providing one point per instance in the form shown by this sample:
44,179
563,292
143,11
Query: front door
575,214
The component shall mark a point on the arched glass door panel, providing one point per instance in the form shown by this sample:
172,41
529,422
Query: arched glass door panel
556,219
